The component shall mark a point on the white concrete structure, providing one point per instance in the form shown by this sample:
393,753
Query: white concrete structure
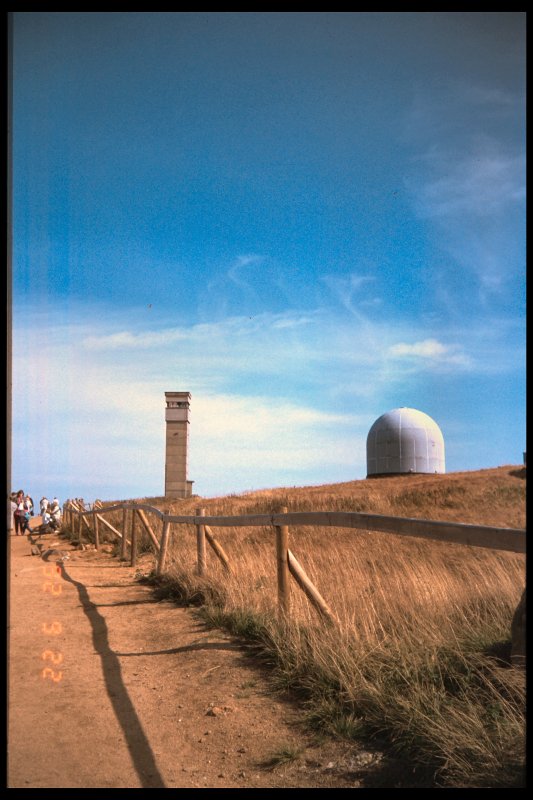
402,441
177,443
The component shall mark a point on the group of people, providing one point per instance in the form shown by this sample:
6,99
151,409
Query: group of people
50,513
21,510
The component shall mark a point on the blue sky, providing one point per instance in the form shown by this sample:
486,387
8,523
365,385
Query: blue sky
305,219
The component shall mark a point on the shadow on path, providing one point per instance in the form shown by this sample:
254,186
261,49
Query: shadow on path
138,745
188,648
122,603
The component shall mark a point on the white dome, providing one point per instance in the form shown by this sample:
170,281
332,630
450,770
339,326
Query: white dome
404,440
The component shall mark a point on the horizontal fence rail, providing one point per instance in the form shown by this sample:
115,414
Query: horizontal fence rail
509,539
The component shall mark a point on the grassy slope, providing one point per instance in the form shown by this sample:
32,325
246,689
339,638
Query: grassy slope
421,654
484,497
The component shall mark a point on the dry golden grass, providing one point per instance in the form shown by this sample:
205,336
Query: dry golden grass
420,654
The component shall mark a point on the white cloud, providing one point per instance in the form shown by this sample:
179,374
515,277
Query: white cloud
129,340
430,349
256,442
259,416
283,398
295,322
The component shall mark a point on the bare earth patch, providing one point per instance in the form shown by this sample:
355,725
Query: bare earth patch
109,687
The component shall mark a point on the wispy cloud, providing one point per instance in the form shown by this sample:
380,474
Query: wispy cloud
346,288
196,334
238,283
482,182
466,184
238,269
490,98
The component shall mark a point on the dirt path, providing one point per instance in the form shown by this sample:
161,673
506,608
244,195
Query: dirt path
109,687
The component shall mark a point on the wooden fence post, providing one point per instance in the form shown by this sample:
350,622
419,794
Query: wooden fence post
124,543
96,532
79,527
133,539
163,549
282,547
200,543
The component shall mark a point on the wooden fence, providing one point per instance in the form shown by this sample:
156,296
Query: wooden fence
508,539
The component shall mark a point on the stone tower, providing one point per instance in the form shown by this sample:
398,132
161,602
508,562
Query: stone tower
177,440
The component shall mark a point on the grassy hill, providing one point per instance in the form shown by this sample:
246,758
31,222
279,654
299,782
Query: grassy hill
484,497
419,657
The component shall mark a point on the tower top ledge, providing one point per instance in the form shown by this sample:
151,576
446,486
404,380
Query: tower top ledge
178,394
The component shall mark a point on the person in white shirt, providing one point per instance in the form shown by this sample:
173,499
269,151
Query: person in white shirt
55,513
46,519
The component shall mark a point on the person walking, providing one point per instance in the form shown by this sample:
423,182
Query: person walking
19,513
43,505
28,512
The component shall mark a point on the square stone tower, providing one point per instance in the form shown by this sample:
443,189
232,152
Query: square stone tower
177,440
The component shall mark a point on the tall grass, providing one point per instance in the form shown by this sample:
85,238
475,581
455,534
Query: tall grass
413,658
420,658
